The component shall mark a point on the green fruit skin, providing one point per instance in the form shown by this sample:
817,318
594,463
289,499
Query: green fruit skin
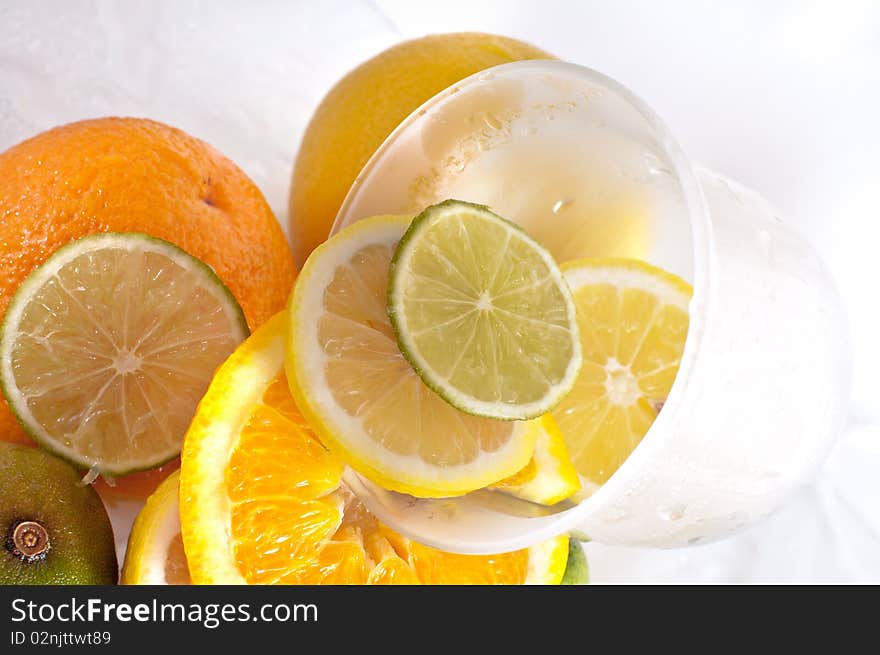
22,295
36,486
576,570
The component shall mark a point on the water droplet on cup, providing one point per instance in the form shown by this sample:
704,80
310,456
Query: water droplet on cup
561,205
672,513
737,518
486,76
615,514
656,167
765,245
492,122
732,191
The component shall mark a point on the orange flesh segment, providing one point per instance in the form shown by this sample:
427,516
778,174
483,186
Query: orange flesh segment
292,521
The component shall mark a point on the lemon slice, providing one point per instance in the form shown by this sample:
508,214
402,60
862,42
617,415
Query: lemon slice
549,476
361,395
108,346
154,554
633,320
263,501
482,313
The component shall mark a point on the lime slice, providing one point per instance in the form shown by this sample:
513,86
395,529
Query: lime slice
362,397
482,313
107,348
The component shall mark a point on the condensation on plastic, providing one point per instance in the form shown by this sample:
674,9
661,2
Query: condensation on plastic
763,388
246,80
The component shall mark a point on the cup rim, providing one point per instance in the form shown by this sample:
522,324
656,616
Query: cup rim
702,256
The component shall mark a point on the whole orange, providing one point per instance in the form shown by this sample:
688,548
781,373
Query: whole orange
137,175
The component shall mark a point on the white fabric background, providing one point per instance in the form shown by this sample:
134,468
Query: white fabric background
783,96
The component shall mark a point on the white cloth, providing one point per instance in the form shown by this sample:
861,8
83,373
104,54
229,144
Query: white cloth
784,98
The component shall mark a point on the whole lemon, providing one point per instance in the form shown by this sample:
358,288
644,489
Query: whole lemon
365,106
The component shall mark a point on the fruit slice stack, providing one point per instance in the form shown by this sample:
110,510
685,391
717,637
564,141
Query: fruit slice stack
262,499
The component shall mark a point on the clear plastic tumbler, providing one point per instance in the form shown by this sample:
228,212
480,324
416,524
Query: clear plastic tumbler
590,170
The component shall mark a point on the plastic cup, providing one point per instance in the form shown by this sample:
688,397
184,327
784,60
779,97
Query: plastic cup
589,169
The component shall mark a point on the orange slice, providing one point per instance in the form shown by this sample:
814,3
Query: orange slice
262,500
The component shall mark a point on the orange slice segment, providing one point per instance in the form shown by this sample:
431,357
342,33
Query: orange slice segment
262,499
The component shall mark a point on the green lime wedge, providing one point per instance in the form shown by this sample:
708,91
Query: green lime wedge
108,346
576,570
482,313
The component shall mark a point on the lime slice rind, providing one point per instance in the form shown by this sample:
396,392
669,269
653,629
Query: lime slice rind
499,325
204,281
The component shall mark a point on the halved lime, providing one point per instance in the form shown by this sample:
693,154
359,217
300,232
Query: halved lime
482,313
107,348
